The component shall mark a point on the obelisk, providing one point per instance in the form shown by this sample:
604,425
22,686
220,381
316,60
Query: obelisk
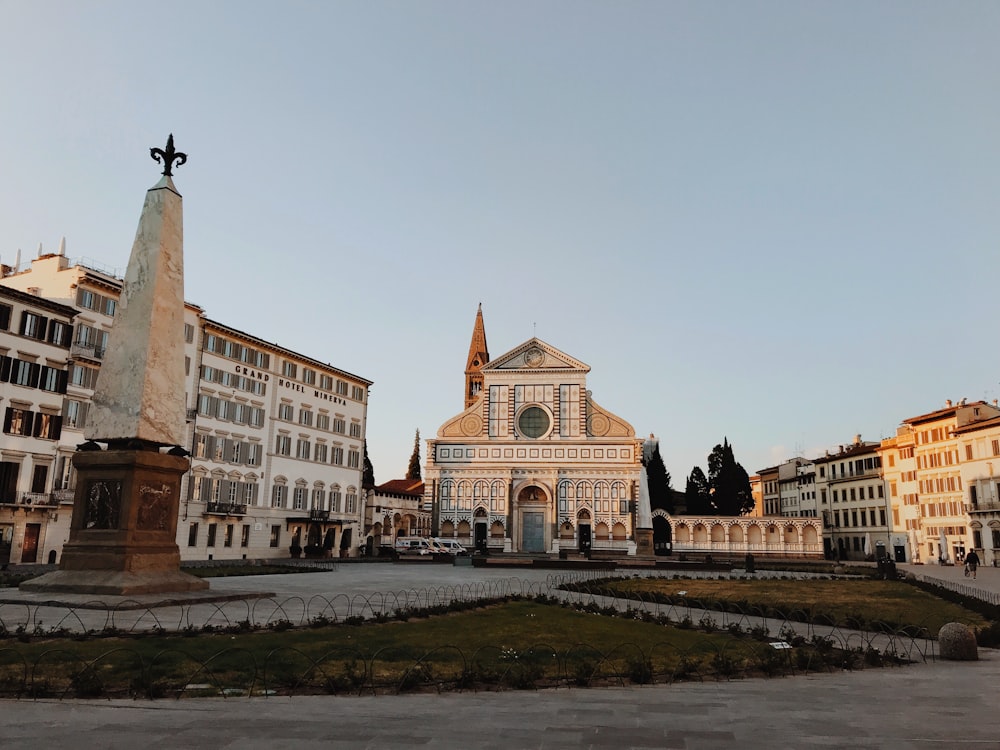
123,534
644,512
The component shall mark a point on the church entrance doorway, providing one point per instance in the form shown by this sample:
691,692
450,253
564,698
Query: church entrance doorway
481,537
532,531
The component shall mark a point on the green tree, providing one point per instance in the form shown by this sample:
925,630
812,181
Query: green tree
661,494
696,494
729,483
413,472
368,476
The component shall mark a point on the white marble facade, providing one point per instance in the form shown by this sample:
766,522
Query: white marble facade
535,464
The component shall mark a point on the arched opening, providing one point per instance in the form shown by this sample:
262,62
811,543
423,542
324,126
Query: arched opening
736,534
754,535
700,533
718,533
661,536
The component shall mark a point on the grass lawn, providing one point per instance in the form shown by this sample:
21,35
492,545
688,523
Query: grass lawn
844,602
520,643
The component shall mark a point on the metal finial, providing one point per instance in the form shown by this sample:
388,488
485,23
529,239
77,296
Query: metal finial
168,156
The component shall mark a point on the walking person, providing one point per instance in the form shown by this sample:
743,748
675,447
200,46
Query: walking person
971,563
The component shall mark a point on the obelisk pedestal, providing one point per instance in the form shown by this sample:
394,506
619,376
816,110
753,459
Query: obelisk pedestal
123,535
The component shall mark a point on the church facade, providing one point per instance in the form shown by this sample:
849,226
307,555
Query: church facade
533,464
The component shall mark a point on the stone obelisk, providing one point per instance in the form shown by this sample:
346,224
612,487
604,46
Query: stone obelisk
123,535
644,512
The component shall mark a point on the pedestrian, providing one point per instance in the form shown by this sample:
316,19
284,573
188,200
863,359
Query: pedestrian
971,563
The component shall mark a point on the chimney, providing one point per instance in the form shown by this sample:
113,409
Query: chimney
857,439
947,402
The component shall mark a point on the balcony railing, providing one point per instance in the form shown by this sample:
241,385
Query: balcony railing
864,474
63,496
85,349
30,499
226,509
319,515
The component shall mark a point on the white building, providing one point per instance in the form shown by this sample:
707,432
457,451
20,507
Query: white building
276,437
533,464
35,506
854,502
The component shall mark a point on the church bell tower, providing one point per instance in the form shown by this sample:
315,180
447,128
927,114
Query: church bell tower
479,355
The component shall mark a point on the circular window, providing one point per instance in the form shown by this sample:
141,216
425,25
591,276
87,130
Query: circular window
533,422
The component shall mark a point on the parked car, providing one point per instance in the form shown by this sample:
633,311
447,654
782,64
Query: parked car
418,545
452,546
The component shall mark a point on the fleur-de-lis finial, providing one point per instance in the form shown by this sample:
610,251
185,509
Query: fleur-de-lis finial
168,156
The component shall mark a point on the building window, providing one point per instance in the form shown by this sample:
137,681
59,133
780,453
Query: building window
326,382
211,534
305,417
275,535
17,421
338,456
319,499
341,388
193,535
5,311
323,421
303,449
308,376
283,445
253,454
288,369
355,429
245,536
228,539
299,498
335,498
357,393
353,458
60,333
39,477
352,502
279,493
33,326
321,452
286,412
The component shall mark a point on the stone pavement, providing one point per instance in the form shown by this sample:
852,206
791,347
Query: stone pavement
932,705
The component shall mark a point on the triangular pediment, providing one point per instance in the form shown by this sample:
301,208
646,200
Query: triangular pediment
535,355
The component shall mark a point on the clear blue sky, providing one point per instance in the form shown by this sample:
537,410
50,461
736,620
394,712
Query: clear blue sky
772,221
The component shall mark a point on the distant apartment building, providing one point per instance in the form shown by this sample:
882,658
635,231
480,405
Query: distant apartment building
769,491
940,461
395,508
276,437
854,502
35,447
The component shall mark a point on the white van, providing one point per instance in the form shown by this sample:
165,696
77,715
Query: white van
418,545
451,546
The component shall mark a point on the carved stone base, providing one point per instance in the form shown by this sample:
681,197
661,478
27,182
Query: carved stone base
123,536
644,543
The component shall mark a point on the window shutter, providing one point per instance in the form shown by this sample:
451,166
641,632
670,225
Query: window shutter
61,380
34,370
56,429
5,363
7,419
29,422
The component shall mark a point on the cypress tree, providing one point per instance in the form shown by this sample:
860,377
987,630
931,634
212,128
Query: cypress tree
413,472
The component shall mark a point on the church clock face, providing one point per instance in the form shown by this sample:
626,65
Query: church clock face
533,422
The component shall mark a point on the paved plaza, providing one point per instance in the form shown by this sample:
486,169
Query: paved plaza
928,705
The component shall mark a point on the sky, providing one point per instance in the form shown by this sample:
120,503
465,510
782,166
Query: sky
768,222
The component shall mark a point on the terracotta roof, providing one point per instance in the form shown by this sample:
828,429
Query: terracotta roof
855,449
402,487
973,426
942,413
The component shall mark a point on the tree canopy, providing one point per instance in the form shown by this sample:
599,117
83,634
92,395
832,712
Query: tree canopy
413,472
696,494
661,495
729,483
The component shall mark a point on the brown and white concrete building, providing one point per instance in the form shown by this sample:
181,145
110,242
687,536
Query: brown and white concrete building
276,437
